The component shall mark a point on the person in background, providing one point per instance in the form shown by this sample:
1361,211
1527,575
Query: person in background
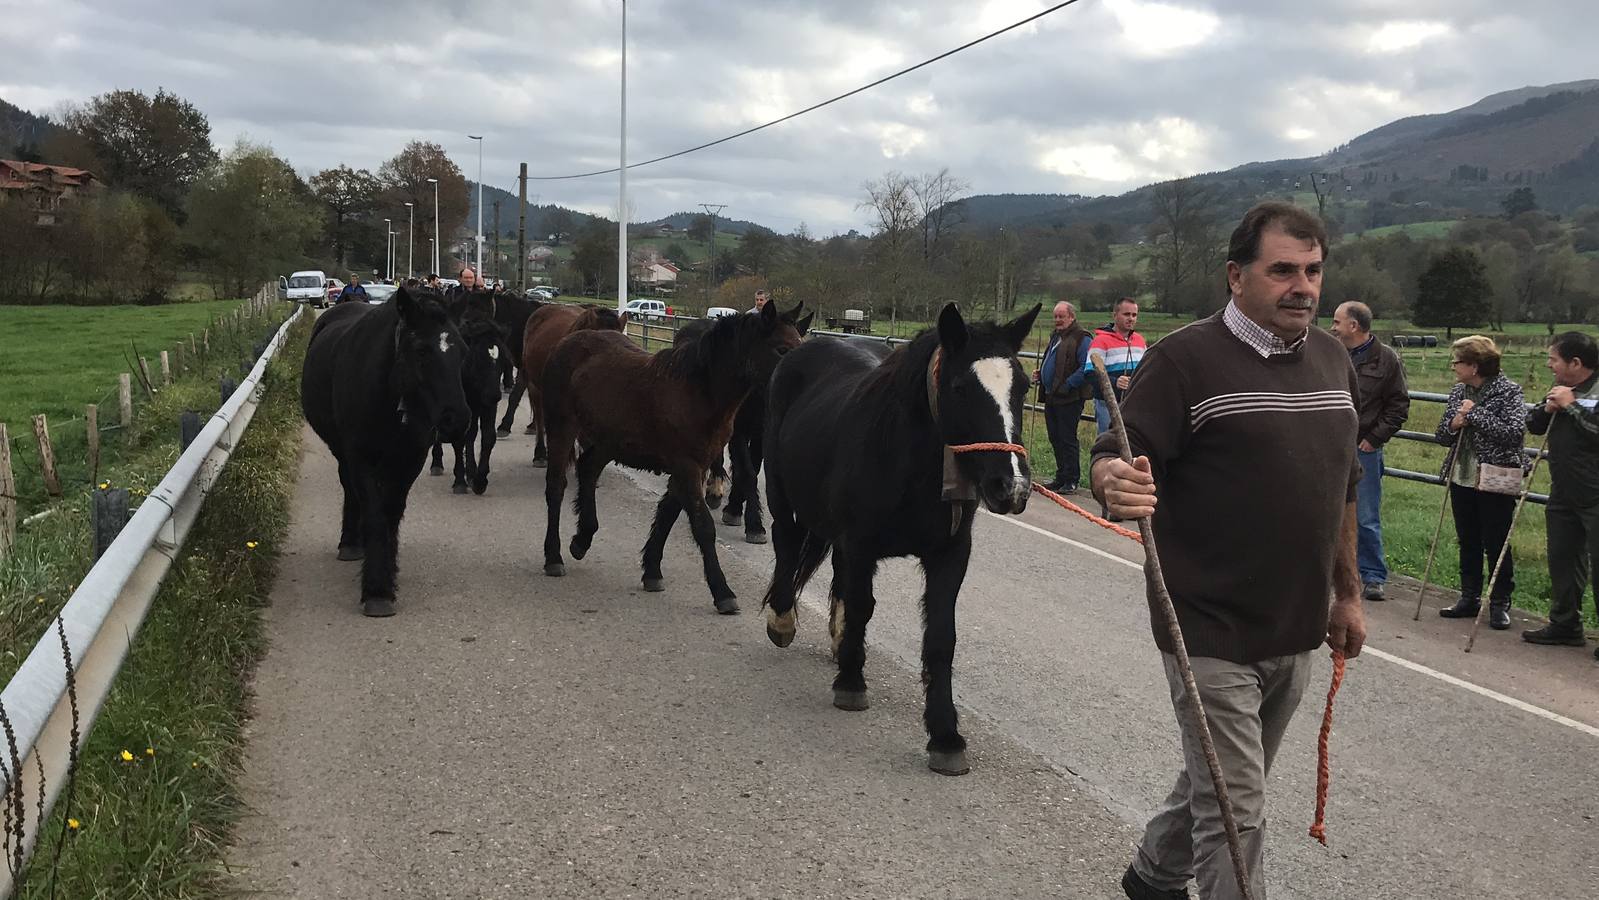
1570,416
1384,406
1061,388
760,300
353,290
1484,420
433,282
1123,349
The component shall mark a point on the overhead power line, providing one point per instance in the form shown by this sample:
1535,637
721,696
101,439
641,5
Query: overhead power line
794,115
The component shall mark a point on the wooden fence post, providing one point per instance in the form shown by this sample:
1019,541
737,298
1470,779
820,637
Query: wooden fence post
47,456
144,377
91,425
125,398
207,340
194,349
166,369
8,495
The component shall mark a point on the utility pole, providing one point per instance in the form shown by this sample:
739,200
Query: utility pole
621,171
496,242
710,275
521,230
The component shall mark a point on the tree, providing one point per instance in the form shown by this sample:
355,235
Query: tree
559,223
935,194
1453,292
156,147
759,251
699,228
1521,200
594,256
896,234
405,177
1185,249
349,194
251,217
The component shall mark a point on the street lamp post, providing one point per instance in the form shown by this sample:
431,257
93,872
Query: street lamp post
410,239
479,139
436,242
388,249
621,208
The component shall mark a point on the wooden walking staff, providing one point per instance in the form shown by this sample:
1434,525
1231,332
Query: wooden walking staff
1526,488
1168,613
1449,465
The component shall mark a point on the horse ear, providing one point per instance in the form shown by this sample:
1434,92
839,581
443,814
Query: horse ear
952,333
405,305
1020,327
768,313
804,325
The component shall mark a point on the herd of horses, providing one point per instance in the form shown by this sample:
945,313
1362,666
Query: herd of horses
868,453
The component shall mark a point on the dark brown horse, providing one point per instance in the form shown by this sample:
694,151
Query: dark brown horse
671,412
545,328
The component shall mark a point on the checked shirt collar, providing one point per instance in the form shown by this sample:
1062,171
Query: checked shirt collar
1259,339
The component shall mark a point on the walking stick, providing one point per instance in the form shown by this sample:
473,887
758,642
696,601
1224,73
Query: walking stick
1526,488
1449,464
1157,580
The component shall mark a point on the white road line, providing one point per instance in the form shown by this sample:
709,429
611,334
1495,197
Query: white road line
1400,661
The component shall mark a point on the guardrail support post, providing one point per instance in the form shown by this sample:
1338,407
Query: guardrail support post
189,425
228,387
110,514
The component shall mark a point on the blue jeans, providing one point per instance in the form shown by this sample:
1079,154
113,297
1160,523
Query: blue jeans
1368,508
1101,415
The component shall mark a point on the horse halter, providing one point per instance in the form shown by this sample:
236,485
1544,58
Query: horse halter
932,404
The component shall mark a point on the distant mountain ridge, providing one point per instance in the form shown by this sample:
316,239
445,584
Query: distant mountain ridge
1531,135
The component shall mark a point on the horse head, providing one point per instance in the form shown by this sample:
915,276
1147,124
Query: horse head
429,355
484,341
979,386
763,338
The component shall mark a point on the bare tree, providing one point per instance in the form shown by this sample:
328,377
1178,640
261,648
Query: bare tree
938,207
895,230
1184,253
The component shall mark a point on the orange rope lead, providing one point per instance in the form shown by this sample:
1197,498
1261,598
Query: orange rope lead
1318,829
991,445
1072,507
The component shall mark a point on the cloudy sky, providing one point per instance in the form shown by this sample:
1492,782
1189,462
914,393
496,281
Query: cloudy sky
1099,97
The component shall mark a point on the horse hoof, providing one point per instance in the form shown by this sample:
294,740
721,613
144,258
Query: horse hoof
754,537
540,463
377,607
854,701
726,606
654,585
478,487
780,627
713,501
457,488
530,430
554,570
579,548
435,470
728,516
348,553
948,762
502,432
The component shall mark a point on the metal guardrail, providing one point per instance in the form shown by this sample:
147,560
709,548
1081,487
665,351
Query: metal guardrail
104,613
646,326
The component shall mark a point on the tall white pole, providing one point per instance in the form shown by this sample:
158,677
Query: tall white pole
388,248
437,243
621,209
410,238
479,139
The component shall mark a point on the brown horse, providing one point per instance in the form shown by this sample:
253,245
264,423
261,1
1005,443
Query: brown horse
671,412
545,329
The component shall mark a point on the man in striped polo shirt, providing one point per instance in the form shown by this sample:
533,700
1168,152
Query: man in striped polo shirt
1244,425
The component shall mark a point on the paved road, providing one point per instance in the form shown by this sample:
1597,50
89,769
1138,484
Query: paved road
512,735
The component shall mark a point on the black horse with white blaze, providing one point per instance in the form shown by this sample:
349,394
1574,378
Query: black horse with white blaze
378,382
859,462
485,346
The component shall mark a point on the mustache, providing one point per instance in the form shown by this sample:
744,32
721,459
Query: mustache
1297,300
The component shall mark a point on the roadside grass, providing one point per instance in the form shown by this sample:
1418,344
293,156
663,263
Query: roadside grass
156,824
58,359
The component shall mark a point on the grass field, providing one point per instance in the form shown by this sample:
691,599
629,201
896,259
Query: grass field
1439,228
58,359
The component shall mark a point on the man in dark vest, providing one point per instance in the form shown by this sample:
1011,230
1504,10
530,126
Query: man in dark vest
1245,425
1062,389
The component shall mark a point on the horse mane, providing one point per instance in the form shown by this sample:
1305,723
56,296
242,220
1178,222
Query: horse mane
598,318
697,349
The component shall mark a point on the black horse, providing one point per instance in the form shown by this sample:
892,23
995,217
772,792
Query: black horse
486,346
378,382
511,314
859,463
744,446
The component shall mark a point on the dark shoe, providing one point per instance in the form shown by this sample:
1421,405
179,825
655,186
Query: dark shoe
1596,653
1372,590
1136,889
1464,608
1067,490
1549,634
1053,486
1499,615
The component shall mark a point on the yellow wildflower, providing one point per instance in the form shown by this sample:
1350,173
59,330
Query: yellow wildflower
73,824
40,600
250,544
104,485
126,756
149,751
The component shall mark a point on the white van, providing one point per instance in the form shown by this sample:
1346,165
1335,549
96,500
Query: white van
310,286
717,312
646,309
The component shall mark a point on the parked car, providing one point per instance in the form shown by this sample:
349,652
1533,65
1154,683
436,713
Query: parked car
541,293
379,293
716,312
309,286
646,309
334,287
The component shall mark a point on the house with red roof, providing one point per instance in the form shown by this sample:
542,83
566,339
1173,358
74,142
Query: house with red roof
43,186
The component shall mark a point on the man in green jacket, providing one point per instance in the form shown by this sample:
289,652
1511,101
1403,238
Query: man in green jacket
1570,416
